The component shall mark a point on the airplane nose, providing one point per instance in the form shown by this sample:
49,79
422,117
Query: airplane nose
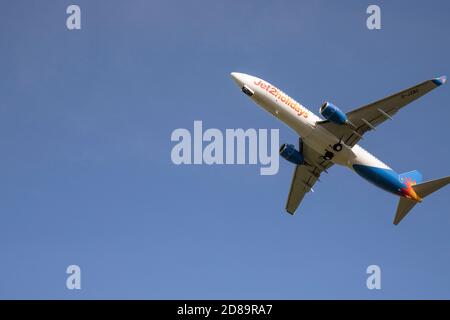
241,80
237,78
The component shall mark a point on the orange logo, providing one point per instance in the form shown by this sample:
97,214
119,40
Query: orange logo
409,191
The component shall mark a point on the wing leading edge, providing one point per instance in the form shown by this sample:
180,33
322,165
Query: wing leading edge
369,116
305,176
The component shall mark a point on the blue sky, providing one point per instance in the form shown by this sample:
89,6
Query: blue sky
85,124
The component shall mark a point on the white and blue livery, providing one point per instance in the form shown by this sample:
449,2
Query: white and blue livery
333,140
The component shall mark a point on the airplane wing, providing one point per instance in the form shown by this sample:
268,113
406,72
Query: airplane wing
368,117
305,176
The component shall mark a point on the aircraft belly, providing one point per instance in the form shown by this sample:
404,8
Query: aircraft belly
322,141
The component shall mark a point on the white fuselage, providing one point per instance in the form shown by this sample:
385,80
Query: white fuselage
303,121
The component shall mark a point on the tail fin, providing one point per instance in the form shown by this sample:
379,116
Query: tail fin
414,175
423,190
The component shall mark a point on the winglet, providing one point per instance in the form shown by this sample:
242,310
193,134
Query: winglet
439,81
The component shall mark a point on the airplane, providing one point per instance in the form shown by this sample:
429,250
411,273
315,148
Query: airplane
334,140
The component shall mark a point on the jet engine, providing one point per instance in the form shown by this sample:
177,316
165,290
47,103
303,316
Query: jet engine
288,152
333,113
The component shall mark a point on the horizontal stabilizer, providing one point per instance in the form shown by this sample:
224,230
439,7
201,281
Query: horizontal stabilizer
426,188
404,206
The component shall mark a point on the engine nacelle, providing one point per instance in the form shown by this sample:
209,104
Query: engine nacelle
333,113
288,152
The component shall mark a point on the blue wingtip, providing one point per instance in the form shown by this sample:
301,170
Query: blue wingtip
440,81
